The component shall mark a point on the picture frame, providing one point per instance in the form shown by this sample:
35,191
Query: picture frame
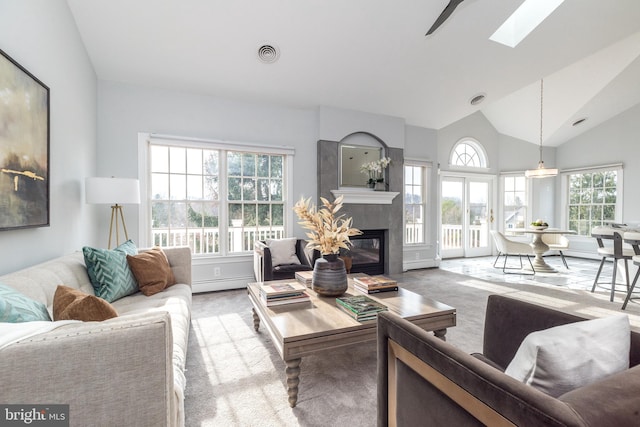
24,147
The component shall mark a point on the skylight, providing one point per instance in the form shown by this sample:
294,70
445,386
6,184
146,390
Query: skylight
524,20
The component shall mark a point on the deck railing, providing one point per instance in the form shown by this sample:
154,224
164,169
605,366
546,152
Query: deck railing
452,236
239,239
207,240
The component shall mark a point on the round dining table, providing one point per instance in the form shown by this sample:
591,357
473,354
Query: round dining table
540,247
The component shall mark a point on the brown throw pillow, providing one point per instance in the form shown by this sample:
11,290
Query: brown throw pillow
152,271
73,304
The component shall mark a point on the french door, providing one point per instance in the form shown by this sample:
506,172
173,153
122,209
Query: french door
466,215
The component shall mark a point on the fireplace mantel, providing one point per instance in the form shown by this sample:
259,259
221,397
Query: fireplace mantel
365,196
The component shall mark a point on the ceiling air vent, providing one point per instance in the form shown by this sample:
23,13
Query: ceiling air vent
268,53
477,99
579,121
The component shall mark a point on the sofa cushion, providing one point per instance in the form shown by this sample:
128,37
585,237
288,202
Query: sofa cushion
563,358
73,304
283,251
151,270
109,271
16,307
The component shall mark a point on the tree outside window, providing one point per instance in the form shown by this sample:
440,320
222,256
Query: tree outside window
186,184
592,200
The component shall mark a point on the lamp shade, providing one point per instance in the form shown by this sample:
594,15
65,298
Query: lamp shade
112,191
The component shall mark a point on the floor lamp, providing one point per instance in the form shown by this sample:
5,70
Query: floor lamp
116,192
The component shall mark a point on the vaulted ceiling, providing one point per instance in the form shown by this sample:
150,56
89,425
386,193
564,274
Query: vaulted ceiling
373,56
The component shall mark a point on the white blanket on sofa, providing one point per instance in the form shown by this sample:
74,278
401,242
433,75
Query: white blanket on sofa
13,332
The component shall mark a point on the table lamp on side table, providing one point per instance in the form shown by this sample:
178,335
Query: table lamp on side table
116,192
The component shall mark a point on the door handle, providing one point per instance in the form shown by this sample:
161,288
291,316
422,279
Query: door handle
491,217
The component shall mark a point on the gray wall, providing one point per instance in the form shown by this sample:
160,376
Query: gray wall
41,36
368,216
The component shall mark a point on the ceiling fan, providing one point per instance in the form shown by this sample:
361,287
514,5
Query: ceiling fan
444,15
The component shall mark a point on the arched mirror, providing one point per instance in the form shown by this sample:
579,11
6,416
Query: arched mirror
357,149
352,157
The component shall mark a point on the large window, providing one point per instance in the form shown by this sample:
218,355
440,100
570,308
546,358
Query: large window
216,200
415,203
593,198
514,202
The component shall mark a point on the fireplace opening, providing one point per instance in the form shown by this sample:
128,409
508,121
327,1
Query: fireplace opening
367,252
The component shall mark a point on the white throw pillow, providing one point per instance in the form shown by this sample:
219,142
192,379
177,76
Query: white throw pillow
283,251
560,359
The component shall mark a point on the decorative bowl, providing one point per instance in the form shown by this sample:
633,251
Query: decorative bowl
539,227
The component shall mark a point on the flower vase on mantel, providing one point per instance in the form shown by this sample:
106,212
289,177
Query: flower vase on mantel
379,186
329,277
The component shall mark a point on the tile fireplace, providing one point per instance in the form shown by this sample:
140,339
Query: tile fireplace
367,252
385,218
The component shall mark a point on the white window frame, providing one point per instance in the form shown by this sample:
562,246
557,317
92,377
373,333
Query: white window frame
480,151
426,222
144,140
501,200
564,192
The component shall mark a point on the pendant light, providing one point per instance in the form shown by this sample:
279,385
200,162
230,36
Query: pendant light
541,171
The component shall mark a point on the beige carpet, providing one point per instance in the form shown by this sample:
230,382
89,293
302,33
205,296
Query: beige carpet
236,378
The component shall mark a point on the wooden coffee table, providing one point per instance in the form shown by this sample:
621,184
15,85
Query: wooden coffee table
298,330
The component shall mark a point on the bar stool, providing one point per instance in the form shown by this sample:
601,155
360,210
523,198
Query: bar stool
633,238
616,252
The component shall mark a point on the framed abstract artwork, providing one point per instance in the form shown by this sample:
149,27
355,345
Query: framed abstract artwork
24,147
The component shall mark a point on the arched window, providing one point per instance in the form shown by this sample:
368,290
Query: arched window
468,153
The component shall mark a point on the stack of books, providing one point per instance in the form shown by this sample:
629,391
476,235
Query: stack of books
374,284
360,307
283,293
304,277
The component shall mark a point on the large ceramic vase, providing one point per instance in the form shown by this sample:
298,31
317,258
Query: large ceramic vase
329,276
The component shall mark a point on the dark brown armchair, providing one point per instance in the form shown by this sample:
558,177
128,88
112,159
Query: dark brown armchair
265,270
423,380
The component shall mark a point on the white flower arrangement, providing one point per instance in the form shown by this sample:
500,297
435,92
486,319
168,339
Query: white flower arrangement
375,169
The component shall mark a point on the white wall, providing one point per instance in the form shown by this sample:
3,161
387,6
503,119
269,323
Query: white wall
475,126
336,123
518,155
41,36
125,110
615,141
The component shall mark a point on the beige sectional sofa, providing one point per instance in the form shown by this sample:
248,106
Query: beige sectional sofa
128,370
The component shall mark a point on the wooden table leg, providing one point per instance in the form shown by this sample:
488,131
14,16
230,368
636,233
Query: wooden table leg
256,320
293,379
440,333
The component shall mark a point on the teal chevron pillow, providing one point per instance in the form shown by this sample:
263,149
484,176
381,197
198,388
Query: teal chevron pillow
109,272
16,307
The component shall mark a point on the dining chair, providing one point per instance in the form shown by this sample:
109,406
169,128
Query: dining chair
557,242
633,238
508,247
614,252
